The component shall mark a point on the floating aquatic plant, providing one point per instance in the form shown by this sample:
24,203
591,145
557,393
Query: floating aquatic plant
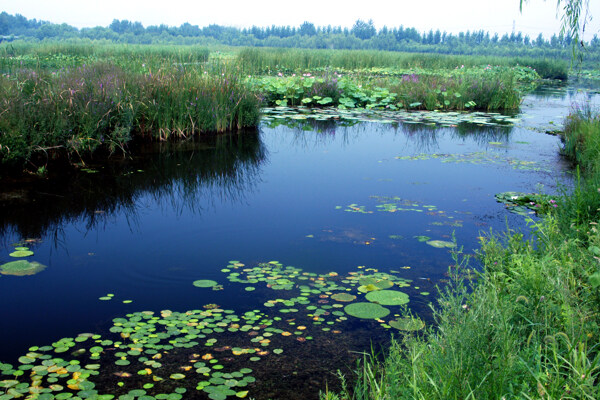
407,324
205,283
344,297
366,310
21,268
388,297
527,203
479,158
440,244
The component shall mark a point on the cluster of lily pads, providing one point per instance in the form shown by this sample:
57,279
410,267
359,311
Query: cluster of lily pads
527,203
436,118
143,358
367,292
167,354
479,158
21,267
397,204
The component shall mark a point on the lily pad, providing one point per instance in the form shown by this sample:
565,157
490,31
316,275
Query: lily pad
205,283
366,310
388,297
440,244
407,324
345,297
21,253
422,238
21,268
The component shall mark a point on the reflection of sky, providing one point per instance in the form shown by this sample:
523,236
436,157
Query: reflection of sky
154,259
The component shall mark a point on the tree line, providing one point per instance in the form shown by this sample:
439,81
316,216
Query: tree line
362,35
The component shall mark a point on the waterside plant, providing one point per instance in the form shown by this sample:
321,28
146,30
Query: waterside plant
76,111
484,88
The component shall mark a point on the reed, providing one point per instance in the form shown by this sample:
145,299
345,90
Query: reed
100,105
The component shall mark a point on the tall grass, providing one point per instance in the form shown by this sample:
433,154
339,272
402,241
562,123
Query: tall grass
57,55
272,60
79,110
487,89
529,327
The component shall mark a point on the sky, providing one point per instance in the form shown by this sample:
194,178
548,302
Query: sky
454,16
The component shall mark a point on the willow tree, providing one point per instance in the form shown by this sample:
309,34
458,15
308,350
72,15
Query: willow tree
574,16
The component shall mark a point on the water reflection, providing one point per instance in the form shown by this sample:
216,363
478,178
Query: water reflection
423,137
192,175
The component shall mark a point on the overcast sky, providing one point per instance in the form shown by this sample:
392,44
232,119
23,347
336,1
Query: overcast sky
538,16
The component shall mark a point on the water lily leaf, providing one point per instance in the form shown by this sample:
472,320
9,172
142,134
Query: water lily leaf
388,297
21,253
177,376
407,324
440,244
366,310
368,288
205,283
422,238
344,297
21,268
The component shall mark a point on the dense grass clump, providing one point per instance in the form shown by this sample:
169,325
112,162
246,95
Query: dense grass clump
528,327
581,138
79,110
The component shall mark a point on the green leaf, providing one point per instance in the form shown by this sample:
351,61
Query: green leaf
366,310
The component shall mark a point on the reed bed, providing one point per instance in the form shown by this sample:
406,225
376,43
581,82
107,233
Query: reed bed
101,105
57,55
287,61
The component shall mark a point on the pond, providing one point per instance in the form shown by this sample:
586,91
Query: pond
256,265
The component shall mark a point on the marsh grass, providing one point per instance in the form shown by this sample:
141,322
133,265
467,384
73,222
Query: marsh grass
76,111
58,55
257,61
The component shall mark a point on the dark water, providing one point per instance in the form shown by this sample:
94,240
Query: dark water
145,229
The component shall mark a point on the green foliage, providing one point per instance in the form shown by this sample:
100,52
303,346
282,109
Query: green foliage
103,105
269,61
581,138
459,89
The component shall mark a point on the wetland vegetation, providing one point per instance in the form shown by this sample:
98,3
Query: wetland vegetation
162,179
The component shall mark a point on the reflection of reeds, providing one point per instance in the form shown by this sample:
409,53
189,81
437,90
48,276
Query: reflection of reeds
78,110
188,175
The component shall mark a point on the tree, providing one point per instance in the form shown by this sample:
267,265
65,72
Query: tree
308,29
575,16
363,30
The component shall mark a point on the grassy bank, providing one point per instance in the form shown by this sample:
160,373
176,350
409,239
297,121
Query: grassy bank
528,327
78,110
